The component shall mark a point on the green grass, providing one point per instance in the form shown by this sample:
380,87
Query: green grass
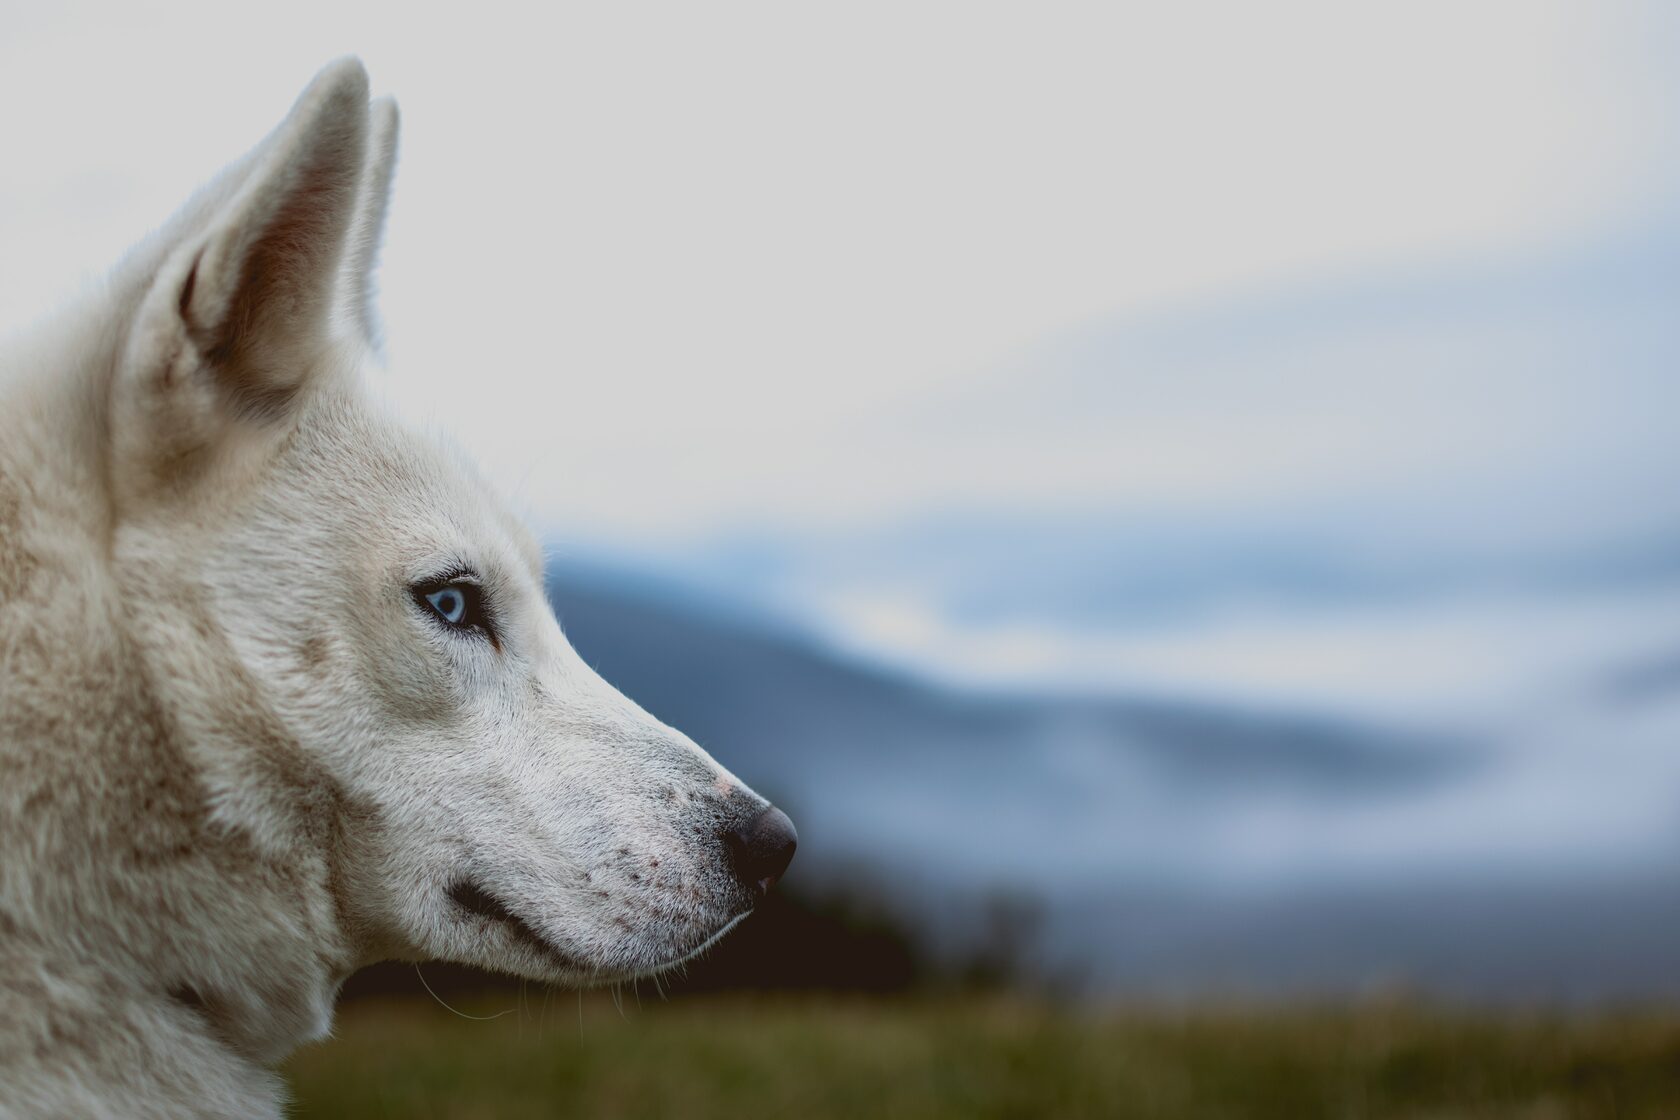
972,1058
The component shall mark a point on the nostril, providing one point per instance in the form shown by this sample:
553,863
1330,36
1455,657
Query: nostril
763,847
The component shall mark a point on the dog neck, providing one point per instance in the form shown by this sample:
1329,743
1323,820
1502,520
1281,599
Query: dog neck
119,856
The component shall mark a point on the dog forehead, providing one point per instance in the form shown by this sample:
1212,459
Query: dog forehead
355,462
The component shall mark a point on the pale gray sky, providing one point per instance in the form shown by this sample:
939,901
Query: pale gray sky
674,268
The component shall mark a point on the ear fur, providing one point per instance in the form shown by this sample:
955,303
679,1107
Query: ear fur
241,310
358,291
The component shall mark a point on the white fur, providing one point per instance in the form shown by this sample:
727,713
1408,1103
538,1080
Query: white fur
238,760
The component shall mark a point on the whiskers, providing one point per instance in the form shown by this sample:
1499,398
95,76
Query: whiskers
451,1010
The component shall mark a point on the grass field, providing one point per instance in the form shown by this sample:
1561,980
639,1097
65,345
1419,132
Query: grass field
973,1058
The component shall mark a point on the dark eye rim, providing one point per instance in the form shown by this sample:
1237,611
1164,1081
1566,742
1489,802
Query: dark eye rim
475,618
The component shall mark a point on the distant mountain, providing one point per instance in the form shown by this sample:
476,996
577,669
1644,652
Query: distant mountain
986,788
1143,829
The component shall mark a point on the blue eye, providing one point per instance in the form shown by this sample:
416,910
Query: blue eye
449,603
456,602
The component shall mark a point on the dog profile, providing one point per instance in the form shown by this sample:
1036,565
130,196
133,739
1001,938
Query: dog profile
280,692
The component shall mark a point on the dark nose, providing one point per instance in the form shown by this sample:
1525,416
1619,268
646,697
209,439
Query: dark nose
763,847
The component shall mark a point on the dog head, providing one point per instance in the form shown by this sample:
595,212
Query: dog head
352,635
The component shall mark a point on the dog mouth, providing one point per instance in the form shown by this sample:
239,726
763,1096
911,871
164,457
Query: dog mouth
474,899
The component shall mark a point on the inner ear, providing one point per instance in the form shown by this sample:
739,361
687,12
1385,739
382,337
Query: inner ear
253,389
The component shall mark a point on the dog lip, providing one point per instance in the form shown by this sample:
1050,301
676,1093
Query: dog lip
474,899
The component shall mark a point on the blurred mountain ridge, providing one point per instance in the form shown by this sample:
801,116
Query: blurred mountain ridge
1122,819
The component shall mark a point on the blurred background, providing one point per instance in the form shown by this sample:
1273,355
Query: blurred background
1178,502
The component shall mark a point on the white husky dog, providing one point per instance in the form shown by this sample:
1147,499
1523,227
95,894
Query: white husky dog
280,692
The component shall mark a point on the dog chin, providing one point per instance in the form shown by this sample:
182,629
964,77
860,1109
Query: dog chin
659,959
696,952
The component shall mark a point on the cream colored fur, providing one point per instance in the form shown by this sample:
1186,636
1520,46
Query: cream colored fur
238,759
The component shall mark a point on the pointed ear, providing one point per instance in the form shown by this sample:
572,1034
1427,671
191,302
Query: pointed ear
357,289
240,313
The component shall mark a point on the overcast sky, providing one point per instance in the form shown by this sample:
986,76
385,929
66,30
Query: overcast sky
676,269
